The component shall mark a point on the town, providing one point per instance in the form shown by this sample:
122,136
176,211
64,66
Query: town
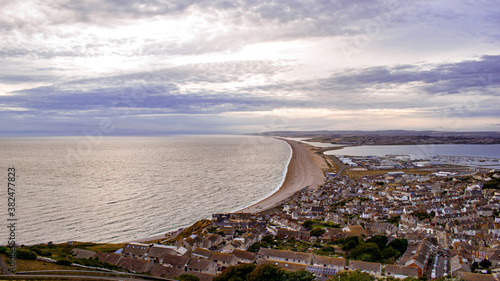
416,224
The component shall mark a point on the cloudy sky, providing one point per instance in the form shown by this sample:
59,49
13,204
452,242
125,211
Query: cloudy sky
72,67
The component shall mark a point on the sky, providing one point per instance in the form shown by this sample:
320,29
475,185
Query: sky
89,67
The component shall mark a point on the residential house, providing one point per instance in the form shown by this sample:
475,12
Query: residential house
338,264
467,276
157,251
457,265
192,242
400,272
201,266
166,272
299,235
372,268
223,260
235,244
201,253
356,230
135,250
212,241
82,254
135,265
244,256
111,258
179,262
284,256
417,256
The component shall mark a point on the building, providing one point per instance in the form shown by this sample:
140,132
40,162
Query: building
400,272
284,256
372,268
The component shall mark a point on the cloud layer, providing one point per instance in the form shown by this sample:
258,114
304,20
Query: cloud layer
247,66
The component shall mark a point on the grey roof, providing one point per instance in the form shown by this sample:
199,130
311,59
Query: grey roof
285,254
401,270
363,265
199,264
244,254
322,260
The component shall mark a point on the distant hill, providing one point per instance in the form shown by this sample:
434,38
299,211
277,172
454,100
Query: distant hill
484,134
392,137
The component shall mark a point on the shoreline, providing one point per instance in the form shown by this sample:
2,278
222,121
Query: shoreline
305,170
278,186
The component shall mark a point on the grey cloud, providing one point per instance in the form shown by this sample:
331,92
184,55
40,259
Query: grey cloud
156,90
262,21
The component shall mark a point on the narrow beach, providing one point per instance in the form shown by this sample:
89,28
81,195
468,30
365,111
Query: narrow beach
305,169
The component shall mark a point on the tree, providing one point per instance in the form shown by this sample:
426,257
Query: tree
266,272
348,246
25,254
330,249
300,275
474,266
366,252
399,245
308,224
352,276
236,273
380,240
268,239
485,263
64,262
188,277
389,252
318,231
394,220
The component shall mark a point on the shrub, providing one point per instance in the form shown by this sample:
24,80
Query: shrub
64,262
25,254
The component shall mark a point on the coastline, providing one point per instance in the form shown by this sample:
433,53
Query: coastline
305,169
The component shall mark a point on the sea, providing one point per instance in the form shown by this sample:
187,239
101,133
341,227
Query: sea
422,151
115,189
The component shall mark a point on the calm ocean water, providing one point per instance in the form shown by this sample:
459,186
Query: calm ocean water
121,188
422,151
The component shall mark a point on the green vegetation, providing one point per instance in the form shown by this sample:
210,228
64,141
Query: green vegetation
35,265
62,251
352,276
275,242
94,262
188,277
196,228
332,224
317,232
308,224
492,184
423,215
64,262
23,254
268,272
236,273
375,249
62,254
394,220
485,263
327,250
